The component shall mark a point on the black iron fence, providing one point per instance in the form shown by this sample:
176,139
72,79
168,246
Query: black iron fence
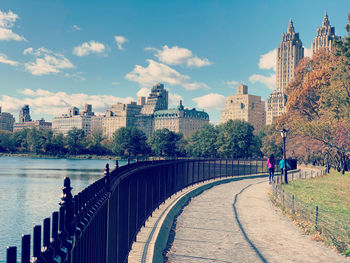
100,223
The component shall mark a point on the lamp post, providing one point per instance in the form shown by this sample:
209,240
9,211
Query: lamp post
284,135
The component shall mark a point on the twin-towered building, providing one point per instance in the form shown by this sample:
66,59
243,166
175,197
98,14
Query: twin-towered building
290,51
146,114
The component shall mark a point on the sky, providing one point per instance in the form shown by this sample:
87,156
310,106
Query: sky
55,54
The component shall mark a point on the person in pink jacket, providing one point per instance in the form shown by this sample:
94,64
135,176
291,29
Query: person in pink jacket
271,166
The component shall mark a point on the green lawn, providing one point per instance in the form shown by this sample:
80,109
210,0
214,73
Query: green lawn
332,195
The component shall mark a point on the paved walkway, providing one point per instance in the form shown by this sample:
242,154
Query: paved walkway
216,228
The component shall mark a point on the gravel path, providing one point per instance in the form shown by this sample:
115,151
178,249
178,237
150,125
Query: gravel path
215,227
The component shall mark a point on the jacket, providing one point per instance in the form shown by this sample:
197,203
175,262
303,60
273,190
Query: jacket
270,165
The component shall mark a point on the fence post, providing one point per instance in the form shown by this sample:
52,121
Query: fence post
316,217
293,207
283,199
11,256
25,256
37,241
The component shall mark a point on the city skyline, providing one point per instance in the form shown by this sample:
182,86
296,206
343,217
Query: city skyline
55,55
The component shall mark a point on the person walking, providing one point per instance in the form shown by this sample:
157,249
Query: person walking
271,166
282,165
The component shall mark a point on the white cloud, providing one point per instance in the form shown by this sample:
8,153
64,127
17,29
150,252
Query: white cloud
115,83
76,76
174,99
157,72
143,92
8,34
177,56
307,52
212,101
7,21
268,60
120,40
46,62
231,83
75,27
195,86
88,48
269,81
56,103
4,60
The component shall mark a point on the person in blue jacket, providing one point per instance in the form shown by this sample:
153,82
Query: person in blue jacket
282,165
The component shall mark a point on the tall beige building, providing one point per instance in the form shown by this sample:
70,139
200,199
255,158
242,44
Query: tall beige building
246,107
6,121
117,116
325,37
290,51
157,100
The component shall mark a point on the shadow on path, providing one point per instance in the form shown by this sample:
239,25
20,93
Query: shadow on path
241,227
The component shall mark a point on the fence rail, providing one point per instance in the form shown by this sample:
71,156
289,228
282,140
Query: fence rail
100,223
335,232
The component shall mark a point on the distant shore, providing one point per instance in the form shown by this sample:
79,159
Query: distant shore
65,156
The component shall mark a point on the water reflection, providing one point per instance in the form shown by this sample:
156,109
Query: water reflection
30,190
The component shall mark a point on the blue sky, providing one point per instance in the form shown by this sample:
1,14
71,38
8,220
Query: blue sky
58,54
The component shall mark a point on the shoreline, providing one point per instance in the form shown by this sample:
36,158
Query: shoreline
45,156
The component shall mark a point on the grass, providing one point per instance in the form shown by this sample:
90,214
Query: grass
331,193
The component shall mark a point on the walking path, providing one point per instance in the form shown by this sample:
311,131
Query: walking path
236,222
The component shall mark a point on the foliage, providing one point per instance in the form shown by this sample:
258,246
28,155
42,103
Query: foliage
202,143
165,143
271,141
318,107
75,141
129,141
235,139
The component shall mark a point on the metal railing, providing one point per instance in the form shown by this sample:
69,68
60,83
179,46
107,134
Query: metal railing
100,223
315,219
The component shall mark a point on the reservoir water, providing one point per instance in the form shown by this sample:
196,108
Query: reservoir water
30,190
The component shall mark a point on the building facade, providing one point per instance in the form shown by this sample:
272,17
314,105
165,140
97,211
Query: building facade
63,124
157,100
25,121
24,114
290,51
325,37
6,121
180,120
39,125
119,115
246,107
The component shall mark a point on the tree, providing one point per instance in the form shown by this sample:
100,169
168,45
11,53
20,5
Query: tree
236,140
129,141
94,144
202,143
165,143
75,141
6,142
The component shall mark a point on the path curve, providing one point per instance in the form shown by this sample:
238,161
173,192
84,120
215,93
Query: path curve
216,228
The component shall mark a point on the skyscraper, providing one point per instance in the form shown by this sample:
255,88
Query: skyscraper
157,100
24,114
289,52
325,37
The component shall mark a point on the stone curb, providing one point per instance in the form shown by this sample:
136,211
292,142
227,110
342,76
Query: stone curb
152,239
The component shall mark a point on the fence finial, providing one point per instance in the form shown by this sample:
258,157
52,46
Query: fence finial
107,170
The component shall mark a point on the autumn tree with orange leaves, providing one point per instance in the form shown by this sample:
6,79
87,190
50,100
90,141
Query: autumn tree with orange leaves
318,106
